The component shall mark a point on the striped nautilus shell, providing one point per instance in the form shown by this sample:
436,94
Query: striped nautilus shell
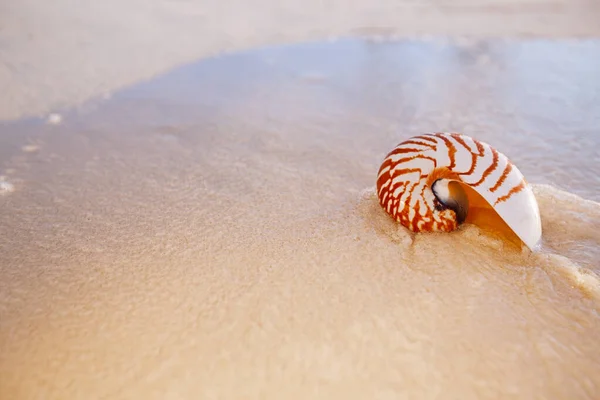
437,181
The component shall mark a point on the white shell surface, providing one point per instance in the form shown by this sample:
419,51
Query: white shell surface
406,172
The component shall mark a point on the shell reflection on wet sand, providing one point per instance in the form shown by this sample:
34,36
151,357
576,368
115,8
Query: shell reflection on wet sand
216,234
435,182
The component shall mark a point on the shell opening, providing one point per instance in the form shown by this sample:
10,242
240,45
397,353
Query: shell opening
452,195
482,214
471,207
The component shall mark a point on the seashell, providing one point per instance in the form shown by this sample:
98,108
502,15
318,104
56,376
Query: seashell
435,182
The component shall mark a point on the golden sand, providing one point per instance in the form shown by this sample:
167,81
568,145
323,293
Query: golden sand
213,233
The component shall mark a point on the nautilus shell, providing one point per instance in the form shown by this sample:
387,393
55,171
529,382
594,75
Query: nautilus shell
437,181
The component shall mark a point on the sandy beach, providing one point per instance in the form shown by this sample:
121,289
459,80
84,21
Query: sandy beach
187,204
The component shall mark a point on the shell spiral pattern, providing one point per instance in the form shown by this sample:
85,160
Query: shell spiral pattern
434,182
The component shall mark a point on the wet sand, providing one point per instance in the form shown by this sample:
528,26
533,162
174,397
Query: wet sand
213,232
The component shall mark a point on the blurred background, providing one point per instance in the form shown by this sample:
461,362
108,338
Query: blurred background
60,53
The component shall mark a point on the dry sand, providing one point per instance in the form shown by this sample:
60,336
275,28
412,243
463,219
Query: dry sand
213,233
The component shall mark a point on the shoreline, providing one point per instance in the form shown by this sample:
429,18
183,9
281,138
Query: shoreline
44,67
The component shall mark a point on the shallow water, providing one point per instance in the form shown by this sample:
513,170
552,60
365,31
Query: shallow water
217,226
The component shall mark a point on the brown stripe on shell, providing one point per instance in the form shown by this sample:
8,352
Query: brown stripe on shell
451,149
503,177
424,157
407,171
415,221
427,137
461,142
427,225
406,210
474,156
382,180
386,176
395,186
489,169
478,144
402,150
512,191
399,185
412,141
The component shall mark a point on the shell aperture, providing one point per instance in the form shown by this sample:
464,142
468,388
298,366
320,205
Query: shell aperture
451,195
435,182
